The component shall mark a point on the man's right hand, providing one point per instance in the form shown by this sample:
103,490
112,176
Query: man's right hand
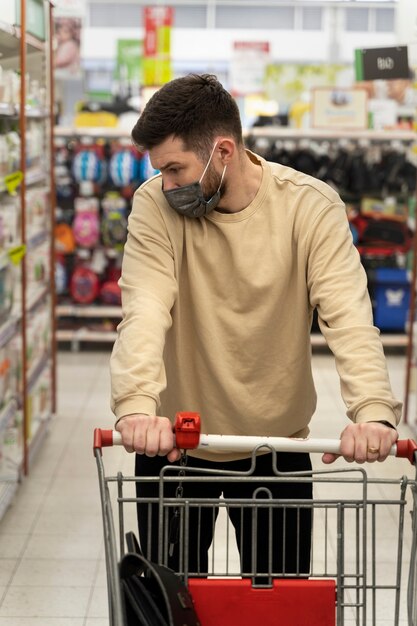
148,434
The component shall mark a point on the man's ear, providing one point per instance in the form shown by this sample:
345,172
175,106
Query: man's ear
226,147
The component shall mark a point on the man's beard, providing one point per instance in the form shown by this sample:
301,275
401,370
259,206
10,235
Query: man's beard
211,182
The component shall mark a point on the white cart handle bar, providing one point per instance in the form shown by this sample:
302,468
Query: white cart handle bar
188,437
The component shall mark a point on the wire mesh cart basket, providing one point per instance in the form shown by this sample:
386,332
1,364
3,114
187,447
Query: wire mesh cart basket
360,568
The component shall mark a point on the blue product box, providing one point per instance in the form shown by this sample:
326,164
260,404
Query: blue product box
391,298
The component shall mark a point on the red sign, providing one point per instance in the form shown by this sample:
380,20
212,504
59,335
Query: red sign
155,18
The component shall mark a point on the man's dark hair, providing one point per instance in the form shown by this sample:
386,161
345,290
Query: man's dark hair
194,108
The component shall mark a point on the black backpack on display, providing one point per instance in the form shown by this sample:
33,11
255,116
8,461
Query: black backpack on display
152,594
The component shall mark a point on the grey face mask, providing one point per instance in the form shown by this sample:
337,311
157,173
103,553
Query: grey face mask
189,200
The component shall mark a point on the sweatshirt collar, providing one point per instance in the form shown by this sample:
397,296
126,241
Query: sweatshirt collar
217,216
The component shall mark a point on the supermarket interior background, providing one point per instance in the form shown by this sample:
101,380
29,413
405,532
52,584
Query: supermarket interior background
328,87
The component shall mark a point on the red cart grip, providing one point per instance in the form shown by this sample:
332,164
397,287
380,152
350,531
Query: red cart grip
102,438
407,449
187,430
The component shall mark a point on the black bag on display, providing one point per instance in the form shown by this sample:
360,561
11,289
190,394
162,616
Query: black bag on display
153,595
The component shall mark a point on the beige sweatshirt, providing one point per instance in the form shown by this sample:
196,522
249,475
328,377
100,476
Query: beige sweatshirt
217,312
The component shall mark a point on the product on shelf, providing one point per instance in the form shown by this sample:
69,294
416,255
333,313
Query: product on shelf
9,86
37,268
37,336
86,224
84,285
95,183
37,210
114,221
35,145
124,167
10,222
89,164
6,286
11,446
64,239
26,314
146,169
39,403
6,391
376,178
61,275
110,292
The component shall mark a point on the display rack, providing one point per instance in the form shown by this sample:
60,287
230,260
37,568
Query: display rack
27,338
85,319
359,141
94,322
410,391
281,132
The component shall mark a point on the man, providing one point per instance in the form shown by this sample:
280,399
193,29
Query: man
226,259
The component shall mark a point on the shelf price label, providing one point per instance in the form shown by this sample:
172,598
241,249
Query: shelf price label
16,254
12,182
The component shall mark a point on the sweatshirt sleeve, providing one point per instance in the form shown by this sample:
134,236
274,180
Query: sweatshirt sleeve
149,289
337,286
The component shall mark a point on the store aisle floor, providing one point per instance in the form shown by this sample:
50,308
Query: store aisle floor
51,548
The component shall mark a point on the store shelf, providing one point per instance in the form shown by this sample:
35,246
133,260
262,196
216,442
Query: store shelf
8,330
30,58
35,176
8,490
262,131
33,43
73,310
37,239
86,335
388,340
7,413
36,371
37,297
283,132
8,110
36,113
110,132
31,112
40,431
9,41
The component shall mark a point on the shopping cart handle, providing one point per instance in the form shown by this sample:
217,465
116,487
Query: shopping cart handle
105,438
188,437
406,449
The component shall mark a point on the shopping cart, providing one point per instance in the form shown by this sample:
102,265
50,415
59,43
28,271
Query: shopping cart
364,538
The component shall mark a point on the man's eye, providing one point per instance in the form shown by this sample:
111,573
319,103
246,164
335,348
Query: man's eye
173,170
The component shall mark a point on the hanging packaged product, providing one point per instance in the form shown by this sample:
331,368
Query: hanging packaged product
89,163
64,239
84,284
146,169
13,151
61,275
114,221
10,222
5,376
86,225
390,207
110,292
37,207
124,167
6,286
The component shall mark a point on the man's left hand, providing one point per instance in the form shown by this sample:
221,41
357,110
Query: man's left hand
368,442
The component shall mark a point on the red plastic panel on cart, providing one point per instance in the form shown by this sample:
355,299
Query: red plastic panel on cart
234,602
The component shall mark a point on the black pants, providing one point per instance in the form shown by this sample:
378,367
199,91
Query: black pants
282,534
